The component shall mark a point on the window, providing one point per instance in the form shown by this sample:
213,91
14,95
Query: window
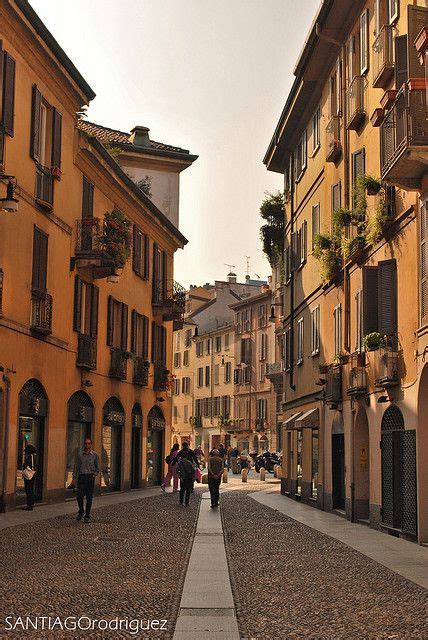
175,414
7,93
186,358
199,349
117,324
238,322
261,409
226,342
177,340
158,344
186,413
350,50
262,370
159,274
335,103
262,320
140,253
393,8
302,243
139,335
198,408
185,385
40,260
247,375
315,131
246,320
300,341
177,387
177,360
337,316
200,376
364,42
46,129
287,263
207,376
287,349
217,374
218,344
228,372
208,347
188,338
423,269
225,406
315,450
358,169
85,315
336,198
315,332
315,223
246,354
301,157
263,346
237,376
359,321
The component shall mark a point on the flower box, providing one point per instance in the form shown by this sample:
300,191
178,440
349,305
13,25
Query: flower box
388,98
377,117
417,84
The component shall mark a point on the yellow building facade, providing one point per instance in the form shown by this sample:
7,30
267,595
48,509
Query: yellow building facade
352,143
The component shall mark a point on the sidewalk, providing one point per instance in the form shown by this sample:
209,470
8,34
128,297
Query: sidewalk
47,511
408,559
207,605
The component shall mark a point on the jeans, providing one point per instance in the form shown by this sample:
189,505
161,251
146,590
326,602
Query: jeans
85,488
29,491
214,487
186,487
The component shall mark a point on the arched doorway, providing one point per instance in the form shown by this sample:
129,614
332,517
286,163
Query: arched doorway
422,446
80,416
33,409
398,447
338,462
361,466
136,445
155,446
111,453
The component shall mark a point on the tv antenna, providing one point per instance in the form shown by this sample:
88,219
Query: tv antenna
248,264
231,266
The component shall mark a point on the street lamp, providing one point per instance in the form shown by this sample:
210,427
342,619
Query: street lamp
10,203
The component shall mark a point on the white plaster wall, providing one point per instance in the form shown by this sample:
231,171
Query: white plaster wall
165,189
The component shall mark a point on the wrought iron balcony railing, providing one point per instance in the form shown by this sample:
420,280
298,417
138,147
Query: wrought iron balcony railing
141,371
383,57
274,370
404,138
41,312
44,186
355,103
86,352
333,388
169,298
161,377
334,145
260,424
357,383
118,364
386,365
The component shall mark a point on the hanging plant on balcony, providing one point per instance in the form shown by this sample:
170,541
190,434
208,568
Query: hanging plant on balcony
373,341
370,184
116,238
272,233
341,218
327,251
377,222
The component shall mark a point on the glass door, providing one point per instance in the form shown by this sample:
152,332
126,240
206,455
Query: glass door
111,458
76,434
30,431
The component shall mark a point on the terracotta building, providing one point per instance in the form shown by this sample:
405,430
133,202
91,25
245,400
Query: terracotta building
87,296
352,143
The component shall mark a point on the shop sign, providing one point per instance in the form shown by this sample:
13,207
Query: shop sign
113,418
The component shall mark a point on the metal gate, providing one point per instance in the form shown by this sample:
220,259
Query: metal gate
398,456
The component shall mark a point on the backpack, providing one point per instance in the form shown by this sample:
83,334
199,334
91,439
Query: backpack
186,470
168,459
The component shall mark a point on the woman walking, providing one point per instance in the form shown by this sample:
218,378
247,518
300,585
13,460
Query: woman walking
172,469
29,475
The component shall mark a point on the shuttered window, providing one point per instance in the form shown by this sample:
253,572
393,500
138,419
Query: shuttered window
200,376
117,324
315,333
424,263
303,243
207,376
417,20
40,260
140,255
35,141
7,93
300,347
337,317
227,372
287,349
370,300
56,139
359,321
139,335
358,169
364,42
393,10
387,297
85,316
42,137
315,222
400,68
87,198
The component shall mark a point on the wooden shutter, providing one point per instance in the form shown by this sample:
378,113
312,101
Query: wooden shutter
424,264
336,197
40,260
401,71
145,337
133,331
95,294
370,300
294,251
163,337
77,314
124,328
136,253
164,273
8,94
154,336
110,307
146,257
387,297
417,19
87,199
56,139
35,124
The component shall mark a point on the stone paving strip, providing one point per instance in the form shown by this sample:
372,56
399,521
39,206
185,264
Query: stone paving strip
290,581
130,562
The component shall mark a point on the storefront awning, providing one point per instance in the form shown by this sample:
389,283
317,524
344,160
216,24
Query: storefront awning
289,423
309,420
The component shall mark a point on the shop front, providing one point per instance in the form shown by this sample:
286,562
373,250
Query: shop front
111,453
136,445
80,416
155,446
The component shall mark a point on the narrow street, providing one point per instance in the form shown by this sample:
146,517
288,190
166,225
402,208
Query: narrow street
245,571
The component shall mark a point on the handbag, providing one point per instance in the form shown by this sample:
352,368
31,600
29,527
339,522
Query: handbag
28,472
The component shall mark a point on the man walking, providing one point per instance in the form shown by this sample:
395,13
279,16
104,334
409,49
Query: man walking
215,471
86,467
186,473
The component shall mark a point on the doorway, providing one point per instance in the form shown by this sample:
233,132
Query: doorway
361,466
338,470
136,445
111,453
79,427
155,446
33,406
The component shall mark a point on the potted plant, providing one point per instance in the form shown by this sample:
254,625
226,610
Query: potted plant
322,242
373,341
342,217
371,185
116,237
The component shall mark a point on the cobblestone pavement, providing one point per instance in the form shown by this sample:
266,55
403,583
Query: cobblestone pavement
58,568
290,581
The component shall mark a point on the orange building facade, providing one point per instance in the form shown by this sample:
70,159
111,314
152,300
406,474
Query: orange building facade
87,296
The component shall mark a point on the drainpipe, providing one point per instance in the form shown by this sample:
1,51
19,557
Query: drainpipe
292,385
347,197
353,464
6,381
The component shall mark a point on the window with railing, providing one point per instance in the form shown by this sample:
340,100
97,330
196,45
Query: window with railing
383,57
355,102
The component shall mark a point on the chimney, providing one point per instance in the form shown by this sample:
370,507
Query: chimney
231,277
140,136
265,288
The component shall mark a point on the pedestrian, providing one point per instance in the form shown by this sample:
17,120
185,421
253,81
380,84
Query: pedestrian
172,469
186,452
215,471
86,467
186,472
200,456
29,469
222,451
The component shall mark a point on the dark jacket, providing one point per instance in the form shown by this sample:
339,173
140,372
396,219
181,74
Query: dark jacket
186,470
186,453
30,458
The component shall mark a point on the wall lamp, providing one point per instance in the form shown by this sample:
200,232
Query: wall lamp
9,203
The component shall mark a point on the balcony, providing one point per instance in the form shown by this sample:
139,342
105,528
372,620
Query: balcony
386,367
141,372
404,138
260,424
169,299
357,376
383,58
118,364
333,144
161,378
333,388
44,187
86,352
89,251
274,371
355,103
41,312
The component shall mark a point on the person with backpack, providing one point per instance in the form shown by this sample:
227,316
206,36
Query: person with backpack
172,469
186,473
215,472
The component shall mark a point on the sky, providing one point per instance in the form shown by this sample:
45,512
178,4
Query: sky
211,76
